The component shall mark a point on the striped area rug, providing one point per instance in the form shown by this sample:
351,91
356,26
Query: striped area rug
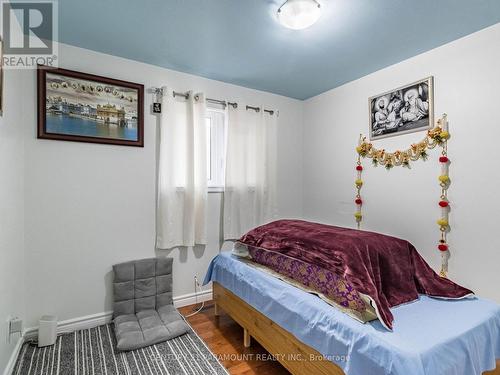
93,352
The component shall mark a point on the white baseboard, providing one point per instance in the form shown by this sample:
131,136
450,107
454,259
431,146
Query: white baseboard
13,357
94,320
192,298
75,324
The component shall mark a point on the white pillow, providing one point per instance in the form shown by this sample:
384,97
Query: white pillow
240,250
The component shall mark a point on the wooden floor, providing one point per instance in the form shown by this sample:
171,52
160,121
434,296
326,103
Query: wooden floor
224,337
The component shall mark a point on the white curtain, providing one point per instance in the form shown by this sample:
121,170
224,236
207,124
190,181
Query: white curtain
182,175
249,194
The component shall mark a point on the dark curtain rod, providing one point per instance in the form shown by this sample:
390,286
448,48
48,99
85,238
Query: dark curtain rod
185,95
221,102
257,109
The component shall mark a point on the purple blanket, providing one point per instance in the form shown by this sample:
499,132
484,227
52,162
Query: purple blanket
387,269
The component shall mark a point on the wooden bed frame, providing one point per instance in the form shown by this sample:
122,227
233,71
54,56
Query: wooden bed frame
294,355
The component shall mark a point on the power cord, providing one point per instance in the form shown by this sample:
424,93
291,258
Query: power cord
196,288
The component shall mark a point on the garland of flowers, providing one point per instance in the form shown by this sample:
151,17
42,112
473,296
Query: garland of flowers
437,136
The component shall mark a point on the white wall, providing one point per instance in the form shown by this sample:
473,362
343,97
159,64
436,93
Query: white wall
11,210
89,206
403,202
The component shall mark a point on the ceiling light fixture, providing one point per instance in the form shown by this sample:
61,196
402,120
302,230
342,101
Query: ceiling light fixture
299,14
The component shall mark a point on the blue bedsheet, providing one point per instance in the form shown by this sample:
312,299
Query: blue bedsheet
430,336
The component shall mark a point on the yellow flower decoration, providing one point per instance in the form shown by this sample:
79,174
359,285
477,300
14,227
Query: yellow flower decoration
444,179
359,182
444,134
442,222
358,215
359,149
435,132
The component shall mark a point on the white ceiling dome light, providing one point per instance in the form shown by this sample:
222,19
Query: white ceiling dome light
299,14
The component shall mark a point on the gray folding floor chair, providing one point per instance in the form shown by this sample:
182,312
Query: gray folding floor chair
144,313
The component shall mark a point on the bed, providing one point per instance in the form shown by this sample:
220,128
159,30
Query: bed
308,336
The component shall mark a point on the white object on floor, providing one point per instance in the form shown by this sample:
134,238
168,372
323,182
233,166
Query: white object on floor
47,330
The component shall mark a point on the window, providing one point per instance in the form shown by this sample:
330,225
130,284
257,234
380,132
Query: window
216,148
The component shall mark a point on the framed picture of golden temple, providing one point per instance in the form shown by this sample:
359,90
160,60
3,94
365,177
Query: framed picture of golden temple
74,106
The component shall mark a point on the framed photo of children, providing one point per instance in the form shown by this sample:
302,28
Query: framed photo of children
74,106
406,109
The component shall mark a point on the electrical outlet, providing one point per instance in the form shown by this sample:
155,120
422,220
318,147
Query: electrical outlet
7,327
14,325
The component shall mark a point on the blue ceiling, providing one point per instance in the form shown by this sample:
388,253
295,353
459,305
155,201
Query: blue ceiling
239,41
